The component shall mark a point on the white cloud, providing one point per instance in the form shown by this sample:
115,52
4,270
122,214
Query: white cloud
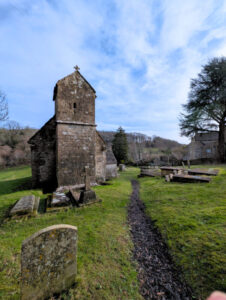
139,55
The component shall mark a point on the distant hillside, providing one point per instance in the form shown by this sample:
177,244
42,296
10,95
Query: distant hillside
143,148
14,149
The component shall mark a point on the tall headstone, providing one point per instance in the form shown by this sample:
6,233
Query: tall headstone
48,262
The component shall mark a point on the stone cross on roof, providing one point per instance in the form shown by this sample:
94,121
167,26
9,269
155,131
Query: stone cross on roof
76,68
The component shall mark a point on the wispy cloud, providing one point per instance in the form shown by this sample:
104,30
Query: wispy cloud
139,55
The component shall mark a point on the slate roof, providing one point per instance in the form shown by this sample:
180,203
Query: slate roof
110,157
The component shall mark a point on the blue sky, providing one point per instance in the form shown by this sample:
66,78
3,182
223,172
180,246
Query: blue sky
139,55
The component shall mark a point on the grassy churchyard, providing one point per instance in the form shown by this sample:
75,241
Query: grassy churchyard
191,218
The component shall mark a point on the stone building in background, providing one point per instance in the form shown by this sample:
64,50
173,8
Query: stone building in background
204,147
69,141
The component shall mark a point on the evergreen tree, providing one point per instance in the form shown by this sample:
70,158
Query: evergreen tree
120,146
206,107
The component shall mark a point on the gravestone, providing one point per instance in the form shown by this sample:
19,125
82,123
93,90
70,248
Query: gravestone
58,201
87,196
122,167
190,178
27,205
150,172
48,262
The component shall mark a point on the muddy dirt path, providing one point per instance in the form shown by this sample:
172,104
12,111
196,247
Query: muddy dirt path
159,279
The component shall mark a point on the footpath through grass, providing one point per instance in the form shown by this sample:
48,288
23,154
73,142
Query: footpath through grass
105,269
192,219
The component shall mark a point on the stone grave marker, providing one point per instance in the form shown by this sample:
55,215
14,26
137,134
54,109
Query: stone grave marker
48,262
58,201
87,196
27,205
122,167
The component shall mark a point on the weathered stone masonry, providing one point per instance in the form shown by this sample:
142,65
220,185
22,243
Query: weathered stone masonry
69,142
204,146
43,156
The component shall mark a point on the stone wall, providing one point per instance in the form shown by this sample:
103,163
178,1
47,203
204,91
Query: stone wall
69,142
43,156
206,136
111,171
100,158
202,150
204,147
74,100
76,131
75,150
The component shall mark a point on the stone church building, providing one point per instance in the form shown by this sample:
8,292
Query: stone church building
69,141
204,147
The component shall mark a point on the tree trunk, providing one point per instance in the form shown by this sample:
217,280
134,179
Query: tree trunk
221,141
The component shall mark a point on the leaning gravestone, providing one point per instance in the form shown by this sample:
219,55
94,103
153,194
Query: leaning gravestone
48,262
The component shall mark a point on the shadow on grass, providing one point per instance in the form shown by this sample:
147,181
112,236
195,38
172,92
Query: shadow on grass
10,186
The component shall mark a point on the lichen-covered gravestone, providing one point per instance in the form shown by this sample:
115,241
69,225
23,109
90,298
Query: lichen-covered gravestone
48,262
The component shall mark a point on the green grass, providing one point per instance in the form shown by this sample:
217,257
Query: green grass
192,219
105,267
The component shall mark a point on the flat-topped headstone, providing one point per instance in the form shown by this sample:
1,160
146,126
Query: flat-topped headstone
150,172
48,262
60,199
200,171
24,206
190,178
165,170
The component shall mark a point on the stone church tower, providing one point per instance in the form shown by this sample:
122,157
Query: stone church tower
69,142
76,130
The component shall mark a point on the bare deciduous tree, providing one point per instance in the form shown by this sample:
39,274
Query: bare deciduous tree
3,107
